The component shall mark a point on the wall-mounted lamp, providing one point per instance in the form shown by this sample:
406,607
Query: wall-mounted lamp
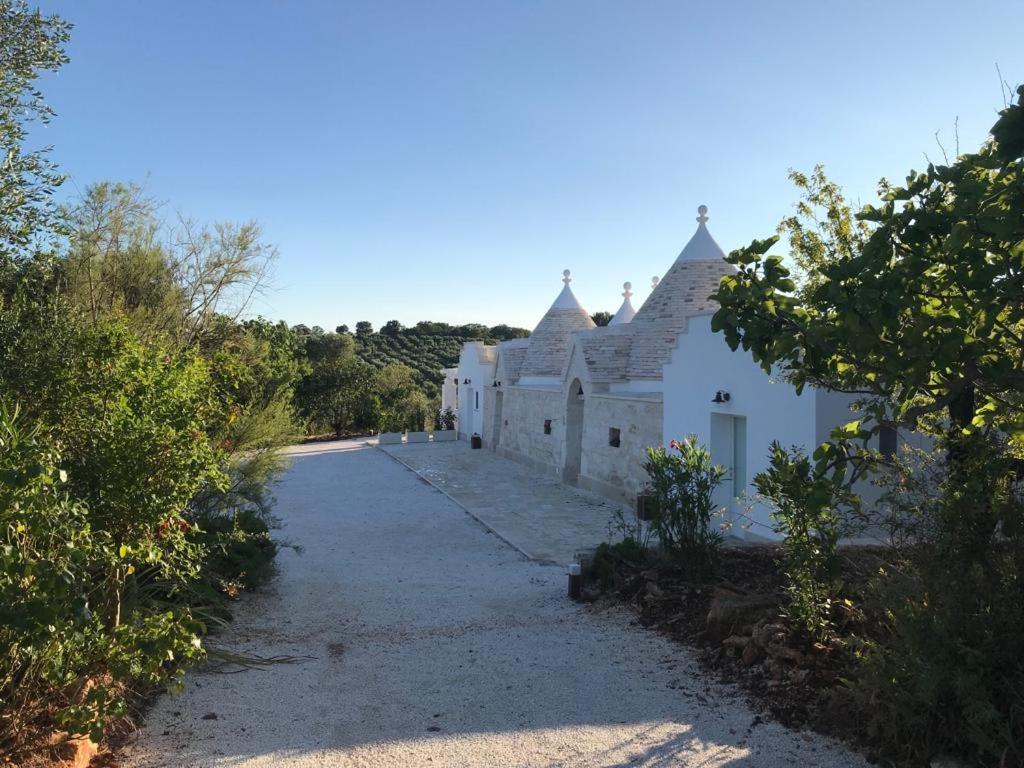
721,396
466,381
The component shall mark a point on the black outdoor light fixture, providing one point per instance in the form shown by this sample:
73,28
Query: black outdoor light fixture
466,381
496,383
721,396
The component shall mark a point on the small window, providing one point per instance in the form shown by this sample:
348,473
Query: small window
887,440
547,426
477,398
613,437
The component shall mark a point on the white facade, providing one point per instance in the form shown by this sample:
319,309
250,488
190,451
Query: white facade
737,410
583,403
450,389
474,374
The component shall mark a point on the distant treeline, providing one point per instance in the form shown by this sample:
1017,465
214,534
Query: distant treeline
389,380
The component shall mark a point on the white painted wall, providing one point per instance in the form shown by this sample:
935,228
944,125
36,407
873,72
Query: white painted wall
476,363
702,364
449,390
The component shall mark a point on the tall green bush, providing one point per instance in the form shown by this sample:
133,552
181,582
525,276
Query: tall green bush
916,305
138,424
130,421
806,511
66,657
684,480
944,675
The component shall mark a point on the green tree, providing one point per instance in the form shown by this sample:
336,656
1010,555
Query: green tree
117,265
130,420
402,403
392,328
919,310
255,367
337,394
327,347
602,318
168,280
364,329
31,43
921,314
505,332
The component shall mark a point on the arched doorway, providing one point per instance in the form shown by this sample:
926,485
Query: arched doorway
573,433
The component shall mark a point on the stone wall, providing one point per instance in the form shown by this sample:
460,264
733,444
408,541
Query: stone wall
618,473
522,437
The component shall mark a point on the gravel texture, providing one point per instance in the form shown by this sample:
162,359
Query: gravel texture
424,640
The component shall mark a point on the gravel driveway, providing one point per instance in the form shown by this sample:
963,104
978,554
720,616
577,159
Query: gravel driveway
426,641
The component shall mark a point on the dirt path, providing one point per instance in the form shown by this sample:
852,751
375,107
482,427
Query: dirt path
425,640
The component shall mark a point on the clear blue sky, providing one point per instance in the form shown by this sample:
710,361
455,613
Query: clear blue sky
446,160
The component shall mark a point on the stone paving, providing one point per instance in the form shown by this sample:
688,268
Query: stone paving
541,517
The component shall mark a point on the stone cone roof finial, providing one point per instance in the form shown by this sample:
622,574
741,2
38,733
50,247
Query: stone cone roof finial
626,311
654,282
684,291
550,342
566,299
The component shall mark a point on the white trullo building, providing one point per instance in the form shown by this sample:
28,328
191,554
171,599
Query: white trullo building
584,402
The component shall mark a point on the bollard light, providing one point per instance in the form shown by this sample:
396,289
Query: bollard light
575,581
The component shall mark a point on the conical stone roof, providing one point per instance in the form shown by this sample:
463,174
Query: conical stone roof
626,311
684,291
551,340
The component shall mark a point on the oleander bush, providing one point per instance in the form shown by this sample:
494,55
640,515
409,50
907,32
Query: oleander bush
684,480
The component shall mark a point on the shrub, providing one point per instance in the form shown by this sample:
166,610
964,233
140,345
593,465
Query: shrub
45,582
684,480
806,512
944,674
445,419
608,555
63,657
119,555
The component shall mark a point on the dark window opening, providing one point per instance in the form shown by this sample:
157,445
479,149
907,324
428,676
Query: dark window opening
547,426
887,441
613,437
